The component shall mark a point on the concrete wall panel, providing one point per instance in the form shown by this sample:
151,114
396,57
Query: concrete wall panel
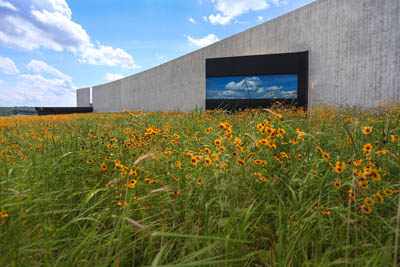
354,59
83,97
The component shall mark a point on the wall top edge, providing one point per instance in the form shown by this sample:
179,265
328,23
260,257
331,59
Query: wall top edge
257,55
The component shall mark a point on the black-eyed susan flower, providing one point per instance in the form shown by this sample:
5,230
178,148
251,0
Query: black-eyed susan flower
326,155
367,130
367,148
122,203
379,197
381,152
284,155
339,167
193,161
299,132
199,181
90,161
150,181
337,184
352,195
387,192
178,164
176,193
259,174
394,138
241,162
262,179
221,149
366,209
3,213
118,164
369,201
217,142
103,166
258,161
374,174
264,141
363,184
237,141
208,161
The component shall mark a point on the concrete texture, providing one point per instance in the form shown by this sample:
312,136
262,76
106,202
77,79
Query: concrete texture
354,59
83,97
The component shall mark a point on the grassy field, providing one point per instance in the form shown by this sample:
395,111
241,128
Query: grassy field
277,187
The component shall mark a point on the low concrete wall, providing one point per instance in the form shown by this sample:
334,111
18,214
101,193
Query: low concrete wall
354,48
83,97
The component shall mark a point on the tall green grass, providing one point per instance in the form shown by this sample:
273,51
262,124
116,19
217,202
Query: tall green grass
64,210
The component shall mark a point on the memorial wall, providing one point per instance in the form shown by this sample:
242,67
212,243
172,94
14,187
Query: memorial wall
353,59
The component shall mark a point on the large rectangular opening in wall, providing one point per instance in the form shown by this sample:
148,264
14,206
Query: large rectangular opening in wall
257,81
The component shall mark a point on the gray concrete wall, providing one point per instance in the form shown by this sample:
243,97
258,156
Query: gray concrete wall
354,59
83,97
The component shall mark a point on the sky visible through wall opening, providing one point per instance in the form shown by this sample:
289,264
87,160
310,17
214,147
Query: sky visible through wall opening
253,87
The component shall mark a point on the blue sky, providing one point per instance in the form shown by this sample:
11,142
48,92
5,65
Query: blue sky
252,87
49,48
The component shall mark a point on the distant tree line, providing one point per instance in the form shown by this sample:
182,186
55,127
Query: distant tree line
15,111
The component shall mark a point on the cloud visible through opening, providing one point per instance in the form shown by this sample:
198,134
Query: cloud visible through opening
261,87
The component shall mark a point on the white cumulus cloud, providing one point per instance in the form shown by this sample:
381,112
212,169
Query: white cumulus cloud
113,77
227,10
260,18
247,84
201,42
107,56
192,20
279,3
32,24
7,66
56,89
42,67
8,5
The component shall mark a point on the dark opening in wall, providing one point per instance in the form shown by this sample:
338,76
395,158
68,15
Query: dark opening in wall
257,81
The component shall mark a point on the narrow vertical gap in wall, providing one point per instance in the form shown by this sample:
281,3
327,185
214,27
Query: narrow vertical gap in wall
91,96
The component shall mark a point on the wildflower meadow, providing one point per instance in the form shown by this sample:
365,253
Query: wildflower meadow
272,187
